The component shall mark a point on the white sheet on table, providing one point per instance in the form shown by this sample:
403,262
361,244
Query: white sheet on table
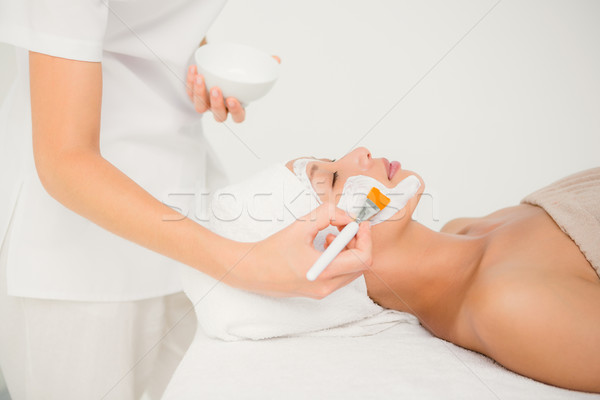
404,361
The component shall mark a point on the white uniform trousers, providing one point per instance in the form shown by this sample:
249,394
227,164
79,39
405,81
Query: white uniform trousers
58,349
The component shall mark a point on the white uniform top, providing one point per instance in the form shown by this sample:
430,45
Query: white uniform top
149,130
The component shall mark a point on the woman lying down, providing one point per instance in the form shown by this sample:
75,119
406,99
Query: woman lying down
520,285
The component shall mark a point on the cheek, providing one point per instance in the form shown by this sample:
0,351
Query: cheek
401,175
401,217
405,173
323,191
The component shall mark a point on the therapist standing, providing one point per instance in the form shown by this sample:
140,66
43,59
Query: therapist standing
97,134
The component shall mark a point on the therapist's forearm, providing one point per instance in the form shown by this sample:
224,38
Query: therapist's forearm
92,187
66,99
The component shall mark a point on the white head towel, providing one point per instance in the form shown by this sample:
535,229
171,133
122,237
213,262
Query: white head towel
251,211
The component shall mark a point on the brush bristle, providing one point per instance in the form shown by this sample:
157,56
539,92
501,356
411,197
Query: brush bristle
378,198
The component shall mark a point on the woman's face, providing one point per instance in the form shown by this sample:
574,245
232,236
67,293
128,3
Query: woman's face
328,176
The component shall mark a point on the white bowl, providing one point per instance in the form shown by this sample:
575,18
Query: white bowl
239,71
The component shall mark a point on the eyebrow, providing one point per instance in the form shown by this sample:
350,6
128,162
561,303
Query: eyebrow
313,168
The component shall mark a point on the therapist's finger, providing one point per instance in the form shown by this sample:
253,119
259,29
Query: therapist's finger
318,219
340,218
190,82
353,260
330,238
363,240
201,101
352,243
238,114
217,105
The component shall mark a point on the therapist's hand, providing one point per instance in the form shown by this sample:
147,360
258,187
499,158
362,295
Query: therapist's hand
277,266
213,101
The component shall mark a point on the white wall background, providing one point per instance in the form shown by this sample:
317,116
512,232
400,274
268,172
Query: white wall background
513,105
7,70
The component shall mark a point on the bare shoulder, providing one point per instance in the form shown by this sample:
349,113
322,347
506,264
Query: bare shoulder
534,304
544,326
457,225
478,225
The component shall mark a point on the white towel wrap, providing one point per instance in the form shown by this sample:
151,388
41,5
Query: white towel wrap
251,211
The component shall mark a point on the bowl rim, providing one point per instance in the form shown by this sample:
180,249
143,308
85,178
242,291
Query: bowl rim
239,45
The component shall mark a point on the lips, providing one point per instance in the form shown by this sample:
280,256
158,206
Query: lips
394,166
386,165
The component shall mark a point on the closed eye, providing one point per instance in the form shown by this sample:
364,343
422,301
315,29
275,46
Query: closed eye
335,176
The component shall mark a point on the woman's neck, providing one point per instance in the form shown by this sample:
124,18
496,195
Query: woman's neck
423,272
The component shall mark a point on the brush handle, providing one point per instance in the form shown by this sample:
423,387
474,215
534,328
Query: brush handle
333,250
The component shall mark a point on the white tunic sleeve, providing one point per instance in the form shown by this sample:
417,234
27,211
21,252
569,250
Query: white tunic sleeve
71,29
149,130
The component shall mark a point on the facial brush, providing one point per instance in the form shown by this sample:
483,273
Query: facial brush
376,201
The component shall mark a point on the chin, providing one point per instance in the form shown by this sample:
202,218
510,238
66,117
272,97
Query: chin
403,174
404,215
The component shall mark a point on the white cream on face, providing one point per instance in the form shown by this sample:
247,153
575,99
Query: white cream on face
299,168
356,188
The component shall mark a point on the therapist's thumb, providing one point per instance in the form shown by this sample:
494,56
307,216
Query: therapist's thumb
323,216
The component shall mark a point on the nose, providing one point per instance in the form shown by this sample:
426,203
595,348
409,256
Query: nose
363,157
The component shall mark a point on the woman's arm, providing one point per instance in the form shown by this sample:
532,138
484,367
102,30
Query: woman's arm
66,98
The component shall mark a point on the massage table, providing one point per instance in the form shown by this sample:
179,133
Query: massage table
403,361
